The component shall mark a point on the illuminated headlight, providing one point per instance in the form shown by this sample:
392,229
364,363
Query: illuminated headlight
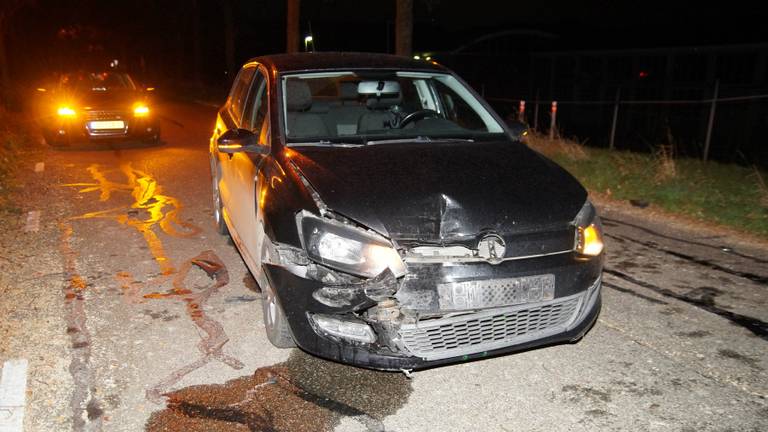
65,111
589,232
347,329
347,248
141,110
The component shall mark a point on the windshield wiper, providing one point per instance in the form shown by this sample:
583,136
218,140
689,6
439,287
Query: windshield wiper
418,139
323,143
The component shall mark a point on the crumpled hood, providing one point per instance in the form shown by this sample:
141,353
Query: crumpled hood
437,192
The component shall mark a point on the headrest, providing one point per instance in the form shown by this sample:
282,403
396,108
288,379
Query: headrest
298,96
348,90
384,102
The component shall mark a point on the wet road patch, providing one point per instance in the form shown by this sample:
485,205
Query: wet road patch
304,393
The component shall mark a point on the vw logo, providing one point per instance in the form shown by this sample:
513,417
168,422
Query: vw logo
492,248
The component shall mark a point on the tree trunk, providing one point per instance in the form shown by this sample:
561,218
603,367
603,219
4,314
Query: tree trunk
293,15
4,73
196,46
404,28
229,37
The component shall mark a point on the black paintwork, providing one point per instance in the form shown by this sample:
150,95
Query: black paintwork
416,193
297,301
317,61
443,192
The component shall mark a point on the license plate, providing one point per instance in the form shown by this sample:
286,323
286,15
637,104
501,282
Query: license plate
112,124
477,294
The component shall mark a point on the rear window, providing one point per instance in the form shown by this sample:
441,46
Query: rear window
97,81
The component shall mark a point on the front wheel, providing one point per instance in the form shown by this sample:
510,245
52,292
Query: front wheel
218,208
275,322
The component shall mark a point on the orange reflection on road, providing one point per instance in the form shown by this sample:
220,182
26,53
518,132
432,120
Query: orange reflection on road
151,208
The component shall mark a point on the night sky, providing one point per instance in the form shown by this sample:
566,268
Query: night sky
163,36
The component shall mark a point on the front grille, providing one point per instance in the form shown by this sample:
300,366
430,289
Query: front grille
488,330
105,115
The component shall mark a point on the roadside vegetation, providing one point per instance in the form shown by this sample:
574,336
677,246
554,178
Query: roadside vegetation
712,192
11,142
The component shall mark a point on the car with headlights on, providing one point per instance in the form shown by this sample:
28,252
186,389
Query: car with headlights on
97,108
392,220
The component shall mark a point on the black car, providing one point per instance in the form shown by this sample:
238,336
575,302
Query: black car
98,108
390,218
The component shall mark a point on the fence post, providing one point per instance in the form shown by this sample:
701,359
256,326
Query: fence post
711,122
536,112
521,112
615,118
553,120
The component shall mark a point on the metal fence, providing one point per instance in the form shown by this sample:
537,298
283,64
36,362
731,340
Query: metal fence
724,128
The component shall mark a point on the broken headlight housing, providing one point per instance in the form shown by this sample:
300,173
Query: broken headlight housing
589,232
347,248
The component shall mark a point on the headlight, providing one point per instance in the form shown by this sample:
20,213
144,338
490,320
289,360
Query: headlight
65,111
347,248
589,231
141,110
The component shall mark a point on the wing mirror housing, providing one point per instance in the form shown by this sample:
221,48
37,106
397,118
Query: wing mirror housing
518,130
238,141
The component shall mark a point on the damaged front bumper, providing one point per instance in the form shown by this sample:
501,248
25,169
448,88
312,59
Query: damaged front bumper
439,313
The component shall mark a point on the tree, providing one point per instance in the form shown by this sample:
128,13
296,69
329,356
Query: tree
293,14
229,36
404,28
7,10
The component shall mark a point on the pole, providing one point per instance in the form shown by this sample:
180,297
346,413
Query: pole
293,14
536,112
615,118
711,122
553,120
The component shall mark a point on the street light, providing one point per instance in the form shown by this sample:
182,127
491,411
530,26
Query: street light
308,41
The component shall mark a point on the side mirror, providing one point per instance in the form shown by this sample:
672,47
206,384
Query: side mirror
239,140
518,129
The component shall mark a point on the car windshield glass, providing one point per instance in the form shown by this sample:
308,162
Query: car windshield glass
97,81
379,107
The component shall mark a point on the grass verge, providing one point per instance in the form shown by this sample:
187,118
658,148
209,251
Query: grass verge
707,191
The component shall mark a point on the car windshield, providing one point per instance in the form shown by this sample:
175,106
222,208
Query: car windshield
97,81
364,107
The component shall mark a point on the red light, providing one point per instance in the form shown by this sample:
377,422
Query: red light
643,74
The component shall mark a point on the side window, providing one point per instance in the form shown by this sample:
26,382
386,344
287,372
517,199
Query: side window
256,106
457,109
239,92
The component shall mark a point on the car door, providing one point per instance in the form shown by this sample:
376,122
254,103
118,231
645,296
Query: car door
240,171
229,118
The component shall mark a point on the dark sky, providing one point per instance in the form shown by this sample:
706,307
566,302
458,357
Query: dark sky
163,31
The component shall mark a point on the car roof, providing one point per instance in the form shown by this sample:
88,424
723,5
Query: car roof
316,61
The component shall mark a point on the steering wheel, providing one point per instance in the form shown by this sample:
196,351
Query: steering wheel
418,115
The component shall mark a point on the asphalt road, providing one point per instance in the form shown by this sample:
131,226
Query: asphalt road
132,314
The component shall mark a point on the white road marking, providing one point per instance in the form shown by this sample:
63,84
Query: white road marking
33,221
39,167
13,391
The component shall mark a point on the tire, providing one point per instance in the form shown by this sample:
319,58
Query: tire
275,322
218,209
